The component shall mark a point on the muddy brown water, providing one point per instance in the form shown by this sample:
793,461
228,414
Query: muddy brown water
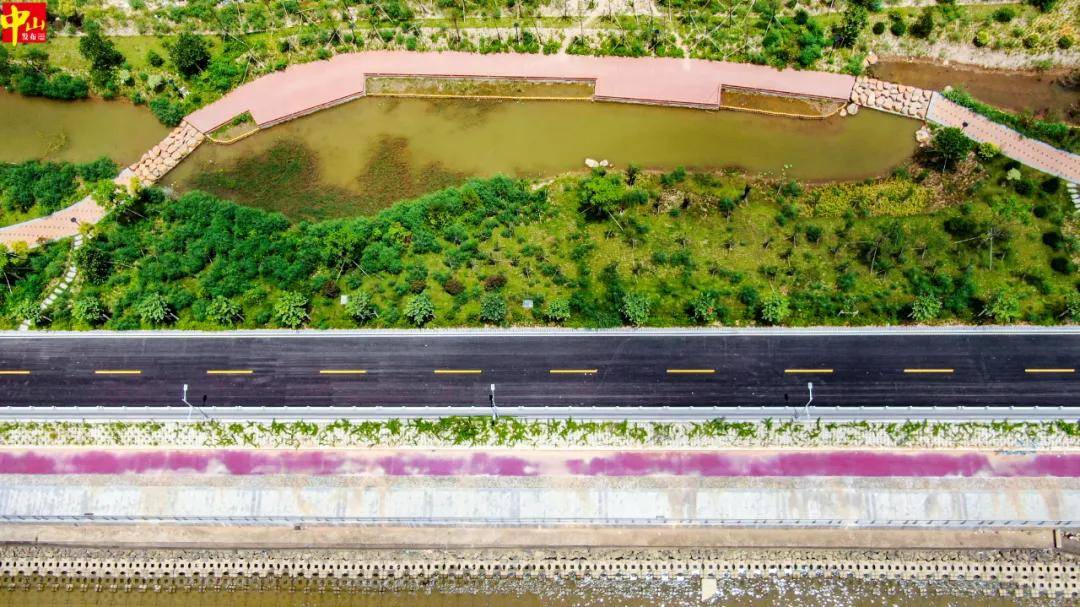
1032,91
75,131
366,154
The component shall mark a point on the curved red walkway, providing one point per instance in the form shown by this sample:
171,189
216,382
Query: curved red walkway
515,463
308,87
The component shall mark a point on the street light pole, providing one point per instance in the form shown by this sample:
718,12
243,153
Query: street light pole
183,399
494,409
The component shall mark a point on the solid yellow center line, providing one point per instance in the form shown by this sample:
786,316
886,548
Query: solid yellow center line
572,371
458,371
808,370
1049,370
928,370
691,371
14,372
229,371
118,372
342,372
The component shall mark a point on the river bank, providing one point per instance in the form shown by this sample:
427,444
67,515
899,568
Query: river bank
1037,92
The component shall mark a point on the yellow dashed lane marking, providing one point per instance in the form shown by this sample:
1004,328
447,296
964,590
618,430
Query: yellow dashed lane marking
118,372
1049,370
229,371
808,370
458,371
928,370
342,372
14,372
572,371
691,371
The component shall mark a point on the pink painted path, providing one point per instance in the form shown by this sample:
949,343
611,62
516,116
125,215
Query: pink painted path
1031,152
61,224
305,88
518,463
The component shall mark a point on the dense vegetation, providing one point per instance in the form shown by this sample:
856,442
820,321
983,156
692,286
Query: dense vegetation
33,188
33,76
1055,133
981,242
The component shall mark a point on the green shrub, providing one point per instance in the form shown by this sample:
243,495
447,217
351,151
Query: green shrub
420,310
775,308
290,309
557,310
636,308
361,308
493,308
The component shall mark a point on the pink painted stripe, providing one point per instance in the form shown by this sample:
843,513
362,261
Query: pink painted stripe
542,463
303,88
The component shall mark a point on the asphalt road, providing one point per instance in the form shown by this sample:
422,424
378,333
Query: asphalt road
858,368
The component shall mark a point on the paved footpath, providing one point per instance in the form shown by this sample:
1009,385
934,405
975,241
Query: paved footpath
61,224
308,87
1031,152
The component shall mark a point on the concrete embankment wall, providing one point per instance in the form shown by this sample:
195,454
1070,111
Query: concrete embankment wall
544,500
1020,573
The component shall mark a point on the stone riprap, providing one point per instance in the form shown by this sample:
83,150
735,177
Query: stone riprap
889,97
164,156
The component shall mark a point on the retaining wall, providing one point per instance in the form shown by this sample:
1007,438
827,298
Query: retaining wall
1053,578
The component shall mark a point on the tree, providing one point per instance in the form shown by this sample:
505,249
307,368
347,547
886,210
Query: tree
153,309
925,308
290,309
1072,306
189,54
636,308
1043,5
419,310
557,310
775,308
224,311
493,308
93,263
600,196
703,308
951,145
924,25
1003,307
88,309
167,112
30,311
101,53
361,308
847,33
